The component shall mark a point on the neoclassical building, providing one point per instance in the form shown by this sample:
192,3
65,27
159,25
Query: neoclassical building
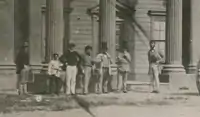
49,25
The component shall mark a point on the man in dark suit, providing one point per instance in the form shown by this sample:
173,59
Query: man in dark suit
22,69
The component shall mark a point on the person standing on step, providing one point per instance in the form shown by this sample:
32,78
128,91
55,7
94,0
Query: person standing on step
54,71
124,61
22,69
87,67
154,59
71,59
105,61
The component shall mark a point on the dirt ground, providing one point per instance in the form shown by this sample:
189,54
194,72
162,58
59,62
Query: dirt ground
138,102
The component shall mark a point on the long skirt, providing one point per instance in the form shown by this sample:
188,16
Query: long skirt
24,76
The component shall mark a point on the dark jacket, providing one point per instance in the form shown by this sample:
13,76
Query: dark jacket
71,58
22,59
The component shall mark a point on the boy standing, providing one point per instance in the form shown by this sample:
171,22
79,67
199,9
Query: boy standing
87,66
104,60
54,70
154,60
124,60
23,69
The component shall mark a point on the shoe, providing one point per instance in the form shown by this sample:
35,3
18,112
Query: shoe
155,91
73,94
125,91
99,92
57,94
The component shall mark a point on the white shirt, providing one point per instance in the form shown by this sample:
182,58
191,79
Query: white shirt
54,68
105,59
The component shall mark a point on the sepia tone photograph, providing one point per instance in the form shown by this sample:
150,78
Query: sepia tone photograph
99,58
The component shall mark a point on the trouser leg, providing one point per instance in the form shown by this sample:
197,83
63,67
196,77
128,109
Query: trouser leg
24,79
106,77
125,77
73,80
18,81
119,81
100,82
97,80
51,84
152,81
63,79
87,78
57,85
69,77
156,81
18,84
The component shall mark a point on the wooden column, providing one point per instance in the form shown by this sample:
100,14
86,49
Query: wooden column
95,39
174,68
174,37
55,26
194,36
35,32
108,24
67,34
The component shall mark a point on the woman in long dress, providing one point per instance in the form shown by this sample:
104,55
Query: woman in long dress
22,69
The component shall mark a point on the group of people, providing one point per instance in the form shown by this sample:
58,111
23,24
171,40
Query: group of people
72,64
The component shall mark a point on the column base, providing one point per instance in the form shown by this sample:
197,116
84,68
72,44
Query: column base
181,82
176,77
191,69
173,69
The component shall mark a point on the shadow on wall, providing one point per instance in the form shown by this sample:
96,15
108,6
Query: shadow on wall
130,28
186,33
21,23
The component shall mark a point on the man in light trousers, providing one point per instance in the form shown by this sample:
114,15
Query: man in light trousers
104,76
154,59
71,59
87,66
124,61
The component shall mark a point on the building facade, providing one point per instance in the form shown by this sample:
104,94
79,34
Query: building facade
49,25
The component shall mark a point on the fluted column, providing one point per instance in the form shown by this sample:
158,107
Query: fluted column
174,37
108,24
173,69
67,34
55,26
95,39
194,35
